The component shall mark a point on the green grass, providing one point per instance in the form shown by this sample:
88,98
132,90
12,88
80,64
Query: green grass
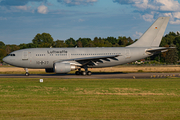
27,98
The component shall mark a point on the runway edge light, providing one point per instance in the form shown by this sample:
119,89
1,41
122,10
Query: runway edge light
41,80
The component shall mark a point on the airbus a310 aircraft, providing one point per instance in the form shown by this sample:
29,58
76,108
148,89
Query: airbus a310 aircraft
64,60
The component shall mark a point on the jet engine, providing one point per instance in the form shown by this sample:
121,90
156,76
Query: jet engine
64,67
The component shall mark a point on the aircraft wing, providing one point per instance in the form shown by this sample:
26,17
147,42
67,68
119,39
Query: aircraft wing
94,58
91,60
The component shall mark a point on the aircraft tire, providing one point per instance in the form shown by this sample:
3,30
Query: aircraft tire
83,73
77,73
89,73
26,74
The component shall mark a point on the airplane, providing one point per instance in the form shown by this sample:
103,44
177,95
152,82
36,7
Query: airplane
64,60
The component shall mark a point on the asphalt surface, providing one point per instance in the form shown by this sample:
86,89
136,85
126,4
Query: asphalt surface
116,75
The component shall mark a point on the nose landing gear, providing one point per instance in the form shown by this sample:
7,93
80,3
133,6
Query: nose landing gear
27,73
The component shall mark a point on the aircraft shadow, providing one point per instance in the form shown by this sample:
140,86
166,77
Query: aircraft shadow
95,73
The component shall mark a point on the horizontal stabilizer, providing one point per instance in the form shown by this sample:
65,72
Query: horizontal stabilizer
160,49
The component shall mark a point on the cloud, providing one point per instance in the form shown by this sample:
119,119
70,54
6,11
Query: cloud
77,2
39,6
17,2
8,6
124,1
42,9
3,18
81,20
138,34
148,17
149,9
22,7
176,15
13,2
175,22
162,5
168,5
16,6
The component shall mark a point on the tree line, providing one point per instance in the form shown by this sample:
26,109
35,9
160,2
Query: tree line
45,40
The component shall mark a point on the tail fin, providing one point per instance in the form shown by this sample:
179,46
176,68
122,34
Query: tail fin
152,37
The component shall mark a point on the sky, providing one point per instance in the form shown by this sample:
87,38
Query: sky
21,20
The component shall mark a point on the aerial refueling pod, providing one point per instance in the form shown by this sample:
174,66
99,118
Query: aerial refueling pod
63,67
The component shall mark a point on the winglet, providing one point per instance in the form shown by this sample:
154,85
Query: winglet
152,37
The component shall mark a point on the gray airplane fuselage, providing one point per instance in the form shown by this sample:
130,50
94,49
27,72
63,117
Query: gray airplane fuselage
40,58
64,60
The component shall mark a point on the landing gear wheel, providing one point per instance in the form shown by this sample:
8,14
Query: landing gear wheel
83,73
77,73
26,74
89,73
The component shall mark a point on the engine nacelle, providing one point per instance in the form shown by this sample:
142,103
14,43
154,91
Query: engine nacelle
63,67
49,70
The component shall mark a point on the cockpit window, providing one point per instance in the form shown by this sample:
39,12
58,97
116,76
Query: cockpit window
11,55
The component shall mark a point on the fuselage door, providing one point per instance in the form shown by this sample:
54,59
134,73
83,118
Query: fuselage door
127,54
25,55
68,55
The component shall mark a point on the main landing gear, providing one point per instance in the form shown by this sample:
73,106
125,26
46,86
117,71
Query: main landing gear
27,73
86,72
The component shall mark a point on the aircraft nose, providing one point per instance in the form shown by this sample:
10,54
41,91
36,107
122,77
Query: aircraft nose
5,59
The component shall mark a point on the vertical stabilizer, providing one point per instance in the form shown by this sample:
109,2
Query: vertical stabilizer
152,37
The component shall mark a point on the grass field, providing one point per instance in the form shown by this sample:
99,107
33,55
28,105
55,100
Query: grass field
128,99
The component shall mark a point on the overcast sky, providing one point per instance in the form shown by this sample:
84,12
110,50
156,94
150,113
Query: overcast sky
21,20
